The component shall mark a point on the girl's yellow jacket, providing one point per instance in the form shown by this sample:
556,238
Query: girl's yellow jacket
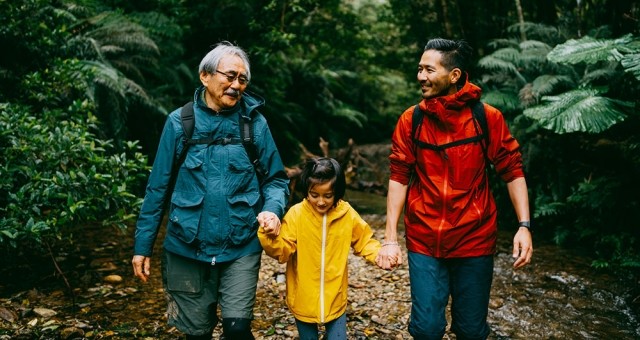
316,249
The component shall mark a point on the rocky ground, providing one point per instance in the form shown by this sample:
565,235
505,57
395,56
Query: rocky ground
558,297
108,303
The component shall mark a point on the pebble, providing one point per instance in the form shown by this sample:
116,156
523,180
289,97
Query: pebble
113,278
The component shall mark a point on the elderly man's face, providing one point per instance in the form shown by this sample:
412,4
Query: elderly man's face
225,86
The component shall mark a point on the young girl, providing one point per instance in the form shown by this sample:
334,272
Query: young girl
314,240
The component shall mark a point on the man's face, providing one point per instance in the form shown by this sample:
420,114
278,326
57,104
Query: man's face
435,80
225,86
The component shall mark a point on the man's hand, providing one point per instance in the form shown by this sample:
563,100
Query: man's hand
389,256
141,267
270,223
522,248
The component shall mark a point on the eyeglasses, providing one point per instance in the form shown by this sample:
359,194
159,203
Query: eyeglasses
242,79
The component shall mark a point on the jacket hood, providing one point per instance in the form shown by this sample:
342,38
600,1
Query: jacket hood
444,106
333,214
251,102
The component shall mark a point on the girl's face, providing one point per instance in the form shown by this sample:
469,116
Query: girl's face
321,197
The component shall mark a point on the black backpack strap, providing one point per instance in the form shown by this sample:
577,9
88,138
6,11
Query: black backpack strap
480,116
188,123
246,135
188,120
416,123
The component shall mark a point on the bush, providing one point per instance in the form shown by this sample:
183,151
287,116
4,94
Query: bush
56,175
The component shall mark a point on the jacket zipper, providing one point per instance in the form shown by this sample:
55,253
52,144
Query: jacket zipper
324,242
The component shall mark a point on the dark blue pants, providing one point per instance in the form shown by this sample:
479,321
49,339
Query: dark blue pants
335,329
466,280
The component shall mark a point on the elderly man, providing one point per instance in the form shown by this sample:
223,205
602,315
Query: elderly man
440,149
211,250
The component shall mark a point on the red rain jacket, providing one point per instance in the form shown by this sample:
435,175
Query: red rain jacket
450,211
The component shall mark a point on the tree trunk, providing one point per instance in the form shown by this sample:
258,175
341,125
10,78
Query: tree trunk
445,18
523,35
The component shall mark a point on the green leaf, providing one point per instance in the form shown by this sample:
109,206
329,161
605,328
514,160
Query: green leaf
587,50
631,64
581,110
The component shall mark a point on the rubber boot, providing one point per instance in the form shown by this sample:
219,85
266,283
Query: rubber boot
237,329
199,337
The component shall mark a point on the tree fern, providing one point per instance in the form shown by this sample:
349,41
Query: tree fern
547,84
506,101
581,110
501,63
631,64
588,50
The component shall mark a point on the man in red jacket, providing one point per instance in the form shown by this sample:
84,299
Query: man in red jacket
450,217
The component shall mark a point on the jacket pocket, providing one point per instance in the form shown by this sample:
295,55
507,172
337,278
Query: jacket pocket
242,217
185,215
191,175
466,164
241,175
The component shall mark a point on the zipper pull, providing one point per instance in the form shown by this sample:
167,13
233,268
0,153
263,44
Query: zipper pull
446,157
213,261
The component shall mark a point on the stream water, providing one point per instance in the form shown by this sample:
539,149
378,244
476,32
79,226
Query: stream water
558,296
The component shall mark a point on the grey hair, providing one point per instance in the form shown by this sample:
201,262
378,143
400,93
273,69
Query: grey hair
211,61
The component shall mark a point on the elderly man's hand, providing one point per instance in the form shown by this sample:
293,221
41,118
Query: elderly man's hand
270,223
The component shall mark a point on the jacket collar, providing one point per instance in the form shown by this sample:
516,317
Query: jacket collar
334,213
445,106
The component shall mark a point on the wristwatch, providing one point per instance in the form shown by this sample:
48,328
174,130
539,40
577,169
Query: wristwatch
526,224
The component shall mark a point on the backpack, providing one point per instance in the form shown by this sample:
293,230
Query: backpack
482,136
188,119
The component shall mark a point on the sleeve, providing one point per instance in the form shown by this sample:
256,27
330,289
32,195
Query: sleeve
503,150
282,246
275,187
362,240
151,212
402,158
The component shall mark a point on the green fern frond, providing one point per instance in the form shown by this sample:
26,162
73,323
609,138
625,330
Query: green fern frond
509,54
631,64
601,75
547,84
536,31
503,43
491,63
107,76
505,101
581,110
344,111
587,50
534,45
549,209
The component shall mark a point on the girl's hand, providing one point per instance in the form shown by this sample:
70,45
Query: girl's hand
270,223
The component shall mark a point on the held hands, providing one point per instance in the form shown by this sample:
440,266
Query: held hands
270,223
141,267
389,256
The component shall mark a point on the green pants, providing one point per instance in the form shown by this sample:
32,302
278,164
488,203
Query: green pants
194,289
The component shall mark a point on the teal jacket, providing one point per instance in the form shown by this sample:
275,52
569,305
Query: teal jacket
217,195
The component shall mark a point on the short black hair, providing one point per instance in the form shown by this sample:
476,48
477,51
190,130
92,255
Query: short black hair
455,53
321,170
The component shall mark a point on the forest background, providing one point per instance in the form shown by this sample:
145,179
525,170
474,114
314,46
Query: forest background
85,87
